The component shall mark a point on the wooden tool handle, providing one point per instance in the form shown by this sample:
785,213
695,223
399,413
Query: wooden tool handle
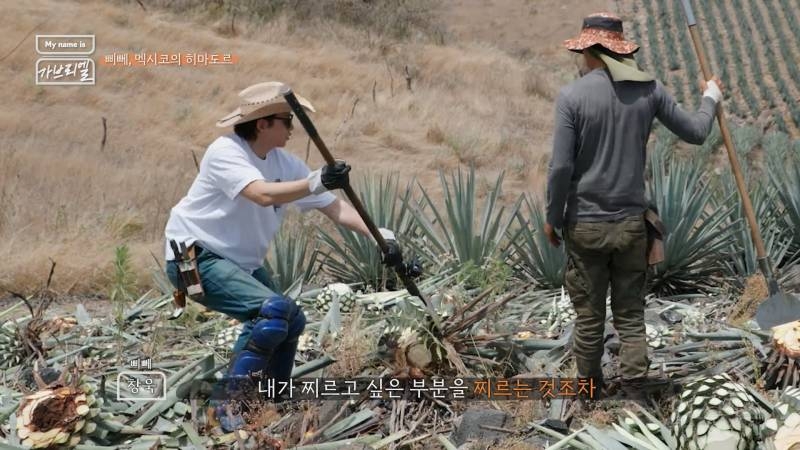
298,110
750,214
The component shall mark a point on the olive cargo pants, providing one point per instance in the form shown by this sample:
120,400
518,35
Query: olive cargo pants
599,254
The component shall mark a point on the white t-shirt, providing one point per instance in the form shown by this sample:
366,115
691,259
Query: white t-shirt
219,219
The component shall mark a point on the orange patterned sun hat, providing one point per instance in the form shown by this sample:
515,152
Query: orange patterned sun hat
604,29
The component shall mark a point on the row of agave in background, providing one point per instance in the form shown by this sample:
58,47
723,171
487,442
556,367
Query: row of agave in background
708,247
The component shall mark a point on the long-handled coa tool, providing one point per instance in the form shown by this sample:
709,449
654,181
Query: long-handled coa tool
778,308
400,269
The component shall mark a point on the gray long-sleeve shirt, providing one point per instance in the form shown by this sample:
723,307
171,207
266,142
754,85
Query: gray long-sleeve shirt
596,172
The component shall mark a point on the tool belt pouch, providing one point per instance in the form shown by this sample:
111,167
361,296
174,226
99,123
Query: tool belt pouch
655,237
178,299
188,274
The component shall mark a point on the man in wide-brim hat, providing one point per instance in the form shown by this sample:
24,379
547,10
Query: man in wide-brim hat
232,212
596,189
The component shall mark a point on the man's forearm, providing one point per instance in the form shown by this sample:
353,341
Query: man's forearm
352,221
278,193
342,213
557,191
562,165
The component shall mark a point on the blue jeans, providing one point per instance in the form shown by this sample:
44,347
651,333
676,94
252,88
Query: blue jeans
230,290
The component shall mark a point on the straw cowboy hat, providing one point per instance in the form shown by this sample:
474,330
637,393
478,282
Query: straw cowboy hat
604,29
261,100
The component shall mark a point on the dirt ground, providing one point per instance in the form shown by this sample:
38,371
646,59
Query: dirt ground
522,27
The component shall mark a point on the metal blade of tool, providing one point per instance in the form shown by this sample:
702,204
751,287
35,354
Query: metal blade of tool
778,308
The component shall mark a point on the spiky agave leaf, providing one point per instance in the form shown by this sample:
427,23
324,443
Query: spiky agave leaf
716,412
463,232
289,259
633,429
350,257
777,238
786,180
778,150
726,350
531,253
698,230
746,139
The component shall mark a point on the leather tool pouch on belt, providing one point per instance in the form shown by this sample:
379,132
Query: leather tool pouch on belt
655,236
189,282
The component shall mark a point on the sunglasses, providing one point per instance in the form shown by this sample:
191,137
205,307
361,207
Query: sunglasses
287,121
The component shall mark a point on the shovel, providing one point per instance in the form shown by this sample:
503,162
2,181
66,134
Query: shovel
778,308
402,273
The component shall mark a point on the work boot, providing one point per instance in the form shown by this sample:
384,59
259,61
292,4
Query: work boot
599,393
640,390
634,390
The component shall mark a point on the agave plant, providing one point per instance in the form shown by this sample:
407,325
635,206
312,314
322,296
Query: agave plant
63,414
746,139
350,257
531,254
777,238
698,229
713,141
717,412
786,181
778,150
463,234
289,259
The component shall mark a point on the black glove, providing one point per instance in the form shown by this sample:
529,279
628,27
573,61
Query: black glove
336,176
394,256
412,269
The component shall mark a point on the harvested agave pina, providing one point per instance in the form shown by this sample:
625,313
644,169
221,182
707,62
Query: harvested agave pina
656,335
11,352
716,413
783,428
783,369
228,336
56,415
340,291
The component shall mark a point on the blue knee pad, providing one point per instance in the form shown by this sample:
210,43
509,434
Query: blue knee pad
282,362
273,338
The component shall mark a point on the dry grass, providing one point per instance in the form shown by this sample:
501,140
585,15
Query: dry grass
513,443
351,348
755,291
66,199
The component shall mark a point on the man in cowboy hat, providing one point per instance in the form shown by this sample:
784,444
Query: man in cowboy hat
596,188
232,212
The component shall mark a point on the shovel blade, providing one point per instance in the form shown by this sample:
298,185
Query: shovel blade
778,309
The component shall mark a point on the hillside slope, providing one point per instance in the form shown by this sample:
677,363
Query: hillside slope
483,96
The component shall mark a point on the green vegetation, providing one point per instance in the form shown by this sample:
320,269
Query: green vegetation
750,49
533,257
289,259
487,245
123,285
348,256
